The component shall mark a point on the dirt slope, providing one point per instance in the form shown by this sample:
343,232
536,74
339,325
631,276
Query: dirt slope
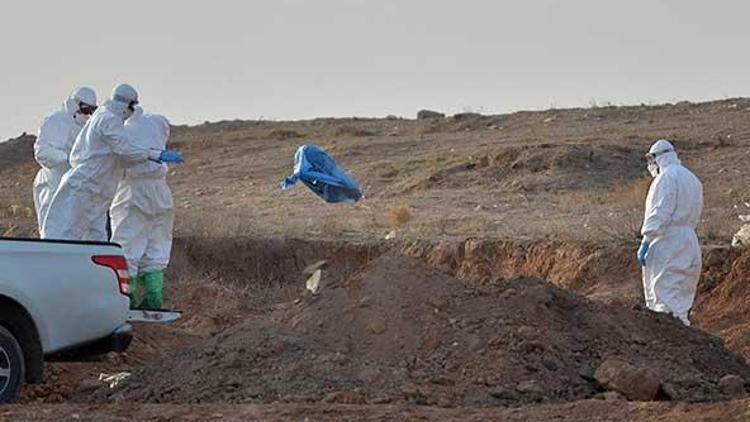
400,331
725,308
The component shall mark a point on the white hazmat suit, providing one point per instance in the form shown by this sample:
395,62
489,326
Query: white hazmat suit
143,211
673,261
52,147
101,152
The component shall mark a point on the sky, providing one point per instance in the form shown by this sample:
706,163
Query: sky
197,61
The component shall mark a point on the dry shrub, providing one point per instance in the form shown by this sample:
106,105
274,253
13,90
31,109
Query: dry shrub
623,227
354,131
622,222
399,215
470,227
718,225
632,195
283,134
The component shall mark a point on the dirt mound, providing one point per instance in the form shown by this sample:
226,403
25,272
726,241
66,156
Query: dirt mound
400,331
725,307
544,167
17,151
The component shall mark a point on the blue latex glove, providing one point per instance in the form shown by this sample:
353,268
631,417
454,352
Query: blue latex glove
169,156
643,252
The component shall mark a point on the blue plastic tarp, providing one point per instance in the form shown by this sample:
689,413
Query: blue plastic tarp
319,172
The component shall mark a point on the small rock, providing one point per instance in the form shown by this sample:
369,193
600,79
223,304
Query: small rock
529,387
391,235
668,391
429,114
299,398
89,385
480,398
430,342
377,327
732,385
501,393
440,304
550,362
634,383
371,376
612,396
381,400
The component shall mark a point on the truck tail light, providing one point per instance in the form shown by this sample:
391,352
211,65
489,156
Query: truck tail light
119,265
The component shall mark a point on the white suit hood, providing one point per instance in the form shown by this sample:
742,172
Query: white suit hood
664,159
70,106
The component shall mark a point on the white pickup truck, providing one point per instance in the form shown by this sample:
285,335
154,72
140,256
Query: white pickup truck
57,296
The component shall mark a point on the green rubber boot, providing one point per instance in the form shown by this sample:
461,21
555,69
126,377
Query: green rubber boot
153,292
135,299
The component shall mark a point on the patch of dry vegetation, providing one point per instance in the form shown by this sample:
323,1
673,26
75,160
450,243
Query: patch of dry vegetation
399,215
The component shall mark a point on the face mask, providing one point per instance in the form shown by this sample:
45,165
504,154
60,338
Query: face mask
127,113
81,118
653,169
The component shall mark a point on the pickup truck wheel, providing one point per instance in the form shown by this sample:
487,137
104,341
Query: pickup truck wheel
12,366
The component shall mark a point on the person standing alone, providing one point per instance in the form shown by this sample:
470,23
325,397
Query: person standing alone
670,254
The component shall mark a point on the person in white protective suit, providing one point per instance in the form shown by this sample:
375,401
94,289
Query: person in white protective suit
53,144
100,153
143,214
670,254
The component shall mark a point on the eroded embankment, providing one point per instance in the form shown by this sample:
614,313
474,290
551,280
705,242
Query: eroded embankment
586,268
272,270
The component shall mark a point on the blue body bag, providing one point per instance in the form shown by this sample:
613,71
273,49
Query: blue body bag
319,172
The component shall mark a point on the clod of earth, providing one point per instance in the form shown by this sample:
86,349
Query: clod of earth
732,385
634,383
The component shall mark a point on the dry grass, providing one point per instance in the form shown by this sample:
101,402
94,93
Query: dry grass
399,215
354,131
632,195
283,134
621,221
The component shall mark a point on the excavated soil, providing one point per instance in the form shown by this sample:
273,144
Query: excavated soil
400,331
724,308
